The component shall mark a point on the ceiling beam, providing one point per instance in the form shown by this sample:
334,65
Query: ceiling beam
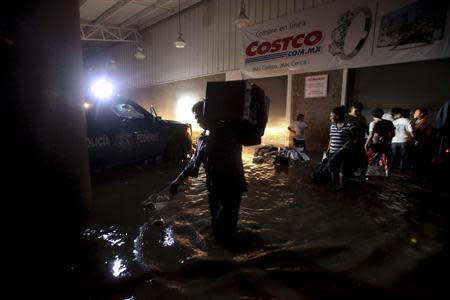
136,17
103,33
110,12
186,4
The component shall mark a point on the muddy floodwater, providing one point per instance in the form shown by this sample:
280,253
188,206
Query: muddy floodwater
377,238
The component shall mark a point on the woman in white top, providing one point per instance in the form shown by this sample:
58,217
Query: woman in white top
298,128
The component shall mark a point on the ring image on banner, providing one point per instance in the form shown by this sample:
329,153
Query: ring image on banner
342,42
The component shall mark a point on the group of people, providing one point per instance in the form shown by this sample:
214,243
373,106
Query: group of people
390,140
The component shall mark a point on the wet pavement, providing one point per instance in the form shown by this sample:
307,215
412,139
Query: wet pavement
376,238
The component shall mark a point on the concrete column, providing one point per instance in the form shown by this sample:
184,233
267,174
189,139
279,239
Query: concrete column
344,86
288,105
48,182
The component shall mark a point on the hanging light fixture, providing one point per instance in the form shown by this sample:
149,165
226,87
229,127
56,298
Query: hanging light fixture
139,54
112,66
179,42
242,19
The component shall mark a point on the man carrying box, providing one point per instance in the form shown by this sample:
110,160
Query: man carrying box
219,148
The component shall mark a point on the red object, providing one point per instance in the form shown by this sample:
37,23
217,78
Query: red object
384,158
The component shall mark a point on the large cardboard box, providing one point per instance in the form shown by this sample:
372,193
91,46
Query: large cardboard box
225,101
236,102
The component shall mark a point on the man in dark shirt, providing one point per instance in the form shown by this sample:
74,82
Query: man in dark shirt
220,150
423,139
359,123
378,144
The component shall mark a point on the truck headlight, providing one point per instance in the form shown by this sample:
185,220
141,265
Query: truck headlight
102,89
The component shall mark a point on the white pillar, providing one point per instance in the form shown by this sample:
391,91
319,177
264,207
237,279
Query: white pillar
288,105
344,86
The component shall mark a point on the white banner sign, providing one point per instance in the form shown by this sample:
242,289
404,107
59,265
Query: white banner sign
348,34
316,86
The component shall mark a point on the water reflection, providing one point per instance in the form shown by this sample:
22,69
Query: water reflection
111,235
371,233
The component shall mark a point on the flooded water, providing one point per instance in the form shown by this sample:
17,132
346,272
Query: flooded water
296,240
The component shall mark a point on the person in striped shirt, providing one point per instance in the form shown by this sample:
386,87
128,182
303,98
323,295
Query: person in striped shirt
342,137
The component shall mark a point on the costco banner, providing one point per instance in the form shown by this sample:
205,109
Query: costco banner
348,34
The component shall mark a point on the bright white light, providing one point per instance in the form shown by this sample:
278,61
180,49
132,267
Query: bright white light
87,105
118,267
102,89
184,113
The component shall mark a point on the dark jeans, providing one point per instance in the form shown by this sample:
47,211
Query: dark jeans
337,162
400,155
358,160
422,155
224,208
299,143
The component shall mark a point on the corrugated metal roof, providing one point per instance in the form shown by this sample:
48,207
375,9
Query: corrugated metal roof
131,13
105,22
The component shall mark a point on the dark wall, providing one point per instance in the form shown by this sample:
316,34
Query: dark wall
408,85
45,164
276,89
316,110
